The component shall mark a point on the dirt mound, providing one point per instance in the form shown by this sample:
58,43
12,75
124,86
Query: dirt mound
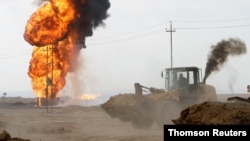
215,113
5,136
128,107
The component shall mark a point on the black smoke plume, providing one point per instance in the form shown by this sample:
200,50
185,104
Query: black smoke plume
220,52
95,12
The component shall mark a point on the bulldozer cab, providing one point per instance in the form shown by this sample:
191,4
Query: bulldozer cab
182,77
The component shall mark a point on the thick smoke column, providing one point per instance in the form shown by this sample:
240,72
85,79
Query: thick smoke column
220,52
57,31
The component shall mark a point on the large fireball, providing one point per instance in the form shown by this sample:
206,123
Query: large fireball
57,32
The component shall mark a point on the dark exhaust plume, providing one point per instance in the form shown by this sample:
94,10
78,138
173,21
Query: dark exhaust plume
220,52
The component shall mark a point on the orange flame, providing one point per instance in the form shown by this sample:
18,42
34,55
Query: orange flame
50,23
57,30
88,97
55,54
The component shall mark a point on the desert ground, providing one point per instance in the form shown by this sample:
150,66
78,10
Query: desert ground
71,123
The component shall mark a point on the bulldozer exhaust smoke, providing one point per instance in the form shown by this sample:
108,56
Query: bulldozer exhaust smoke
57,31
220,52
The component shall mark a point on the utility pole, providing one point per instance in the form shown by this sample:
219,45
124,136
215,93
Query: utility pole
171,46
47,79
52,91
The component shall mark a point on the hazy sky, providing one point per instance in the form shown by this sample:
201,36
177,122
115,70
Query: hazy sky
134,46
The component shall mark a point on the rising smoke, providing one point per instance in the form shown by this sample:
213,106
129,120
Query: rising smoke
220,52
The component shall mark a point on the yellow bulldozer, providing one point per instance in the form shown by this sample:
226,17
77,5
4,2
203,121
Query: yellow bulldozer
148,106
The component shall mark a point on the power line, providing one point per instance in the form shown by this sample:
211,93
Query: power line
132,37
13,56
136,30
181,21
215,27
220,20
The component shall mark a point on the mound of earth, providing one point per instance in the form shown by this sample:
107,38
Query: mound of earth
5,136
215,113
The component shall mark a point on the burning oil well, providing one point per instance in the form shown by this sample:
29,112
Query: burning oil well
57,31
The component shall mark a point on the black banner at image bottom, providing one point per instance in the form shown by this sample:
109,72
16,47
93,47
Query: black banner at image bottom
172,132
